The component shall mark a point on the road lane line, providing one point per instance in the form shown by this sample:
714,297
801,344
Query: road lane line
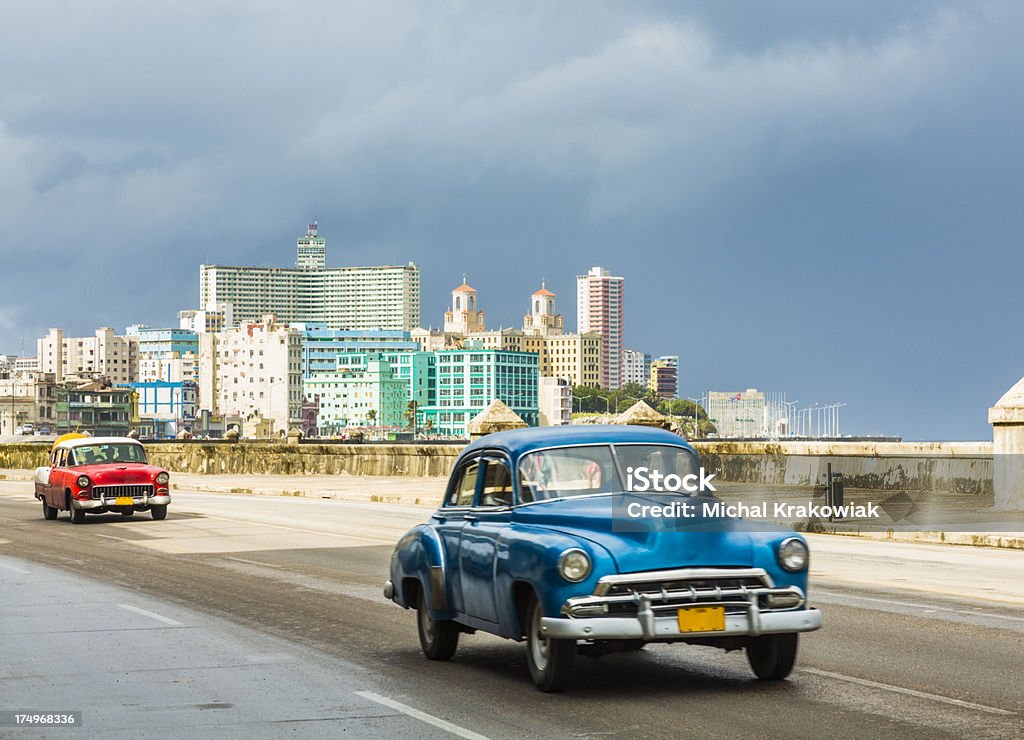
908,692
254,562
14,568
421,716
152,615
111,537
847,598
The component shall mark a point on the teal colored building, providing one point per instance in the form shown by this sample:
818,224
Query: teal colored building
467,380
323,346
418,370
366,396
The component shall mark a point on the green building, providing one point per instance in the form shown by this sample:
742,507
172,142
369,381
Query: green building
103,412
467,380
416,369
346,398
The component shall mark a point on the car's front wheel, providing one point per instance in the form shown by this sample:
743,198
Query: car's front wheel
771,657
49,512
77,515
438,637
551,661
158,512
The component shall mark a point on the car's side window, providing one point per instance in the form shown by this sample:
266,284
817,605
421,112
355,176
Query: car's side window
63,460
497,488
463,488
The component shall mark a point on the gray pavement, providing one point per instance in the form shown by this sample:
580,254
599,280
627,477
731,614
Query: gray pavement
134,666
919,640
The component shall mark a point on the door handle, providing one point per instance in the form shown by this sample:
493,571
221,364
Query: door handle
472,518
439,517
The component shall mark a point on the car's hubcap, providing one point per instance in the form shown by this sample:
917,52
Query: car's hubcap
427,624
539,644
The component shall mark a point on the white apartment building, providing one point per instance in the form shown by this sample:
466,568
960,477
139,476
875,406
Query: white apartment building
253,371
103,355
599,308
215,317
382,297
554,397
172,369
636,367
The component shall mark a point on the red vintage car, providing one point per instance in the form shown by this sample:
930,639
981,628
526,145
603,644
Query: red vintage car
100,475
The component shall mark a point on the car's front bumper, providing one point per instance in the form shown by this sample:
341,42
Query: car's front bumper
101,504
664,628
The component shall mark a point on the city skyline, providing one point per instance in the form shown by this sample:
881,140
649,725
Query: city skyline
821,200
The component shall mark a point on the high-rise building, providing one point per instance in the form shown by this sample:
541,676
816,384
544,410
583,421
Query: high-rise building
104,355
382,297
636,367
599,308
254,372
312,250
555,399
664,377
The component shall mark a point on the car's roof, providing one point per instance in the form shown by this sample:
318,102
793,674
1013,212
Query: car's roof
520,441
89,441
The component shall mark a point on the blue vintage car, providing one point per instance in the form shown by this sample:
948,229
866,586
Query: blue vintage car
536,540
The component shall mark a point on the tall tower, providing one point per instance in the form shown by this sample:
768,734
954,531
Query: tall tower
599,308
463,317
312,250
542,321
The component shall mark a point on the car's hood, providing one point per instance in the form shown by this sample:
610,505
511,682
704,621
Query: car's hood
112,474
645,543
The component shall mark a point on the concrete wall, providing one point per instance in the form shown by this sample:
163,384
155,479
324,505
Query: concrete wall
962,467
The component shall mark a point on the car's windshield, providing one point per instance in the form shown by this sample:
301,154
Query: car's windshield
577,471
107,453
656,467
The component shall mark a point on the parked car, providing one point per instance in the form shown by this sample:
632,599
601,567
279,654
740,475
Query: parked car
99,475
532,542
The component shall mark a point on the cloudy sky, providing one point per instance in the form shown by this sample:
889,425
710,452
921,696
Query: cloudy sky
804,197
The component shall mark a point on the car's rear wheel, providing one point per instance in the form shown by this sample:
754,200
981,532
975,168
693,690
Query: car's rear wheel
49,512
439,638
771,657
551,661
158,512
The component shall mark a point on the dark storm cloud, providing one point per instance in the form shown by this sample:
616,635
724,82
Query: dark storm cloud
802,197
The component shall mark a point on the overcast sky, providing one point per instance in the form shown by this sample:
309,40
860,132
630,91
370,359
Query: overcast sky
802,197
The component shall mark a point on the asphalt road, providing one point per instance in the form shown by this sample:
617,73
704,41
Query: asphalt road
919,641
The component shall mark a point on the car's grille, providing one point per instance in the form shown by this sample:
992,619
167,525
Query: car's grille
143,489
668,590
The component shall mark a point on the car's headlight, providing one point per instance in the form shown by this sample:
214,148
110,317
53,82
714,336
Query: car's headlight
162,478
83,481
574,565
793,554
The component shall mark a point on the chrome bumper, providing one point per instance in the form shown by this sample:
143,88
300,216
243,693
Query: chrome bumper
160,499
647,626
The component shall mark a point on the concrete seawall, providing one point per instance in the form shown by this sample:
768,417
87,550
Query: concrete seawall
955,467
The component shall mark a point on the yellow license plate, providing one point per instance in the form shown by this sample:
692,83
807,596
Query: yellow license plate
124,501
702,619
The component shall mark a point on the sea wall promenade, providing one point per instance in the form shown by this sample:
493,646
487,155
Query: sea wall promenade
953,467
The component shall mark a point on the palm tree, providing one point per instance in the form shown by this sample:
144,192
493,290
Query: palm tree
410,416
371,416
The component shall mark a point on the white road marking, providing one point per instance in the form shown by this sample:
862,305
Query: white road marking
152,615
254,562
908,692
421,716
111,537
14,568
841,598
